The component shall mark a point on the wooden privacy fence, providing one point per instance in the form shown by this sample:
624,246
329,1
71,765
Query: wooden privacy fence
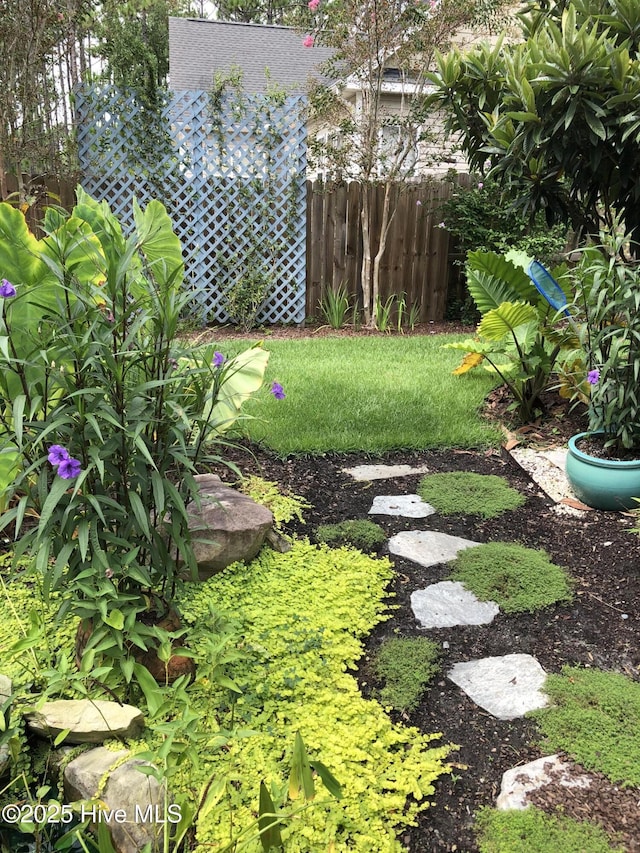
416,261
33,194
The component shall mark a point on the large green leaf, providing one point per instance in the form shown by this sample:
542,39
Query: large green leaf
492,279
498,324
158,243
268,823
301,778
19,249
9,467
245,375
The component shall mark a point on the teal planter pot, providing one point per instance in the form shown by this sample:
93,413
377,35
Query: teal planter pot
602,483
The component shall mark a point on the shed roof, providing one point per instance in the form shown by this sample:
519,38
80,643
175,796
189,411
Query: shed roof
198,48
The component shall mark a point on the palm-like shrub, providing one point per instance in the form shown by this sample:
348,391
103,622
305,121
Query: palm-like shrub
515,338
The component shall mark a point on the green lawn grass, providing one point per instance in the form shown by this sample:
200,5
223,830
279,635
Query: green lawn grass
369,393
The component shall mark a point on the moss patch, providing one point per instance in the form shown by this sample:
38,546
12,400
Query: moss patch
595,718
461,492
360,533
533,831
518,579
407,665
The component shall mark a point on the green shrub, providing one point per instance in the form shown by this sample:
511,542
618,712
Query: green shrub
483,219
360,533
407,665
533,831
462,492
518,579
595,718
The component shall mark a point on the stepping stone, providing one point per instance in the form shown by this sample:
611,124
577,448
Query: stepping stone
506,686
88,721
364,473
409,506
520,781
449,603
427,547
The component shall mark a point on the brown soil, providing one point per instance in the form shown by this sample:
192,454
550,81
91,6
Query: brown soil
230,333
599,628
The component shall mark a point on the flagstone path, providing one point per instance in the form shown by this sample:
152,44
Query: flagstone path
506,686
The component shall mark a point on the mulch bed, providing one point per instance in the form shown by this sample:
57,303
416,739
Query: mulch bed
599,628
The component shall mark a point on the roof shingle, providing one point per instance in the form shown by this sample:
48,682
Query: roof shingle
198,48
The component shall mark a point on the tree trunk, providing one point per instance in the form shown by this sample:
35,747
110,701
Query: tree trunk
365,274
385,224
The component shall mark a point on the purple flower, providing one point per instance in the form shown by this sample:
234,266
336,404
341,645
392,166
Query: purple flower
108,573
278,391
442,225
69,468
593,376
57,454
7,289
480,185
218,359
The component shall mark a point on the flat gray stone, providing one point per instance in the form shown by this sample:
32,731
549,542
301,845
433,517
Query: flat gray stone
364,473
449,603
506,686
5,759
408,506
427,547
89,721
131,803
6,688
521,781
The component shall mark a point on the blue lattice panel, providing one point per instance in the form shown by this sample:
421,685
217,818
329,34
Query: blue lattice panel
235,187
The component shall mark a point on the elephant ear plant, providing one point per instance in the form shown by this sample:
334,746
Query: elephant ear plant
104,416
515,338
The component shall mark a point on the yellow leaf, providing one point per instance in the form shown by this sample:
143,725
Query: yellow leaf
471,360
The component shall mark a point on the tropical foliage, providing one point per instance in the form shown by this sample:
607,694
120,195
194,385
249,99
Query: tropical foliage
554,119
515,338
104,416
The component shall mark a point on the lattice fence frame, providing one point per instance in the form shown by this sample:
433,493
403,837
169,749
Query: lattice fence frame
233,181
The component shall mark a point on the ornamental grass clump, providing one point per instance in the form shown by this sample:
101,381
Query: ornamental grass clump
594,717
104,416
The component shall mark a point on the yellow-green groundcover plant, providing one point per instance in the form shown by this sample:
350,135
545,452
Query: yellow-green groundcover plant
294,625
300,617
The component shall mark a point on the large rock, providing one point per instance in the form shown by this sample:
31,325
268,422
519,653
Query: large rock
6,689
227,527
131,803
88,721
